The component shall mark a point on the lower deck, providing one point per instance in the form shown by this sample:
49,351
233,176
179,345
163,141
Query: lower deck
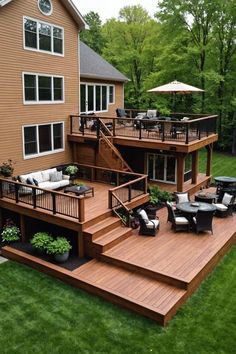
150,275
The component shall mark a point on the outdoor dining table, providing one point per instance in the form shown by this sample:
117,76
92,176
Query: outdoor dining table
225,180
191,208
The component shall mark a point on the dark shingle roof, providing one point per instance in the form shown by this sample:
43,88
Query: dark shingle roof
92,65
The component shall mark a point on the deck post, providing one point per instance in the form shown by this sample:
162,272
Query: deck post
53,203
180,172
194,166
114,127
22,228
1,193
80,242
209,159
81,208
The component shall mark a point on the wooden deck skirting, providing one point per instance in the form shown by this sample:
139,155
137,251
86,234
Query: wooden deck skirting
152,276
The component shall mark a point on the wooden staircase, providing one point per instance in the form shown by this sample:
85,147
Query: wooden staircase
104,234
110,153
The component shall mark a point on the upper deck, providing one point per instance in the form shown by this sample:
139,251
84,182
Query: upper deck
172,134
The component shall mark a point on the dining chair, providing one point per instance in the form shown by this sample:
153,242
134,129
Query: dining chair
182,197
148,226
225,208
203,220
178,222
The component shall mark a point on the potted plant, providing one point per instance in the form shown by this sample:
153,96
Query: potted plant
6,169
71,170
10,233
59,248
40,241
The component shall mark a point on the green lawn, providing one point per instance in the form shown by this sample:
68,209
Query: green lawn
42,315
222,164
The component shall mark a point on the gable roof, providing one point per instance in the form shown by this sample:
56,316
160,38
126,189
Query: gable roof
69,5
92,65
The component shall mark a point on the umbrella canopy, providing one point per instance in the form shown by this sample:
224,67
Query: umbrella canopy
176,87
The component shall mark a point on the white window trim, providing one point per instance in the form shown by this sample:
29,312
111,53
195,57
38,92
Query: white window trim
39,154
44,12
40,50
37,98
114,94
94,84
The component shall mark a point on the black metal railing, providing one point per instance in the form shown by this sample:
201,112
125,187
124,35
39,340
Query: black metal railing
159,129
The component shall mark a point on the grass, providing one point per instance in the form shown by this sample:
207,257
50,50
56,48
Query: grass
42,315
222,164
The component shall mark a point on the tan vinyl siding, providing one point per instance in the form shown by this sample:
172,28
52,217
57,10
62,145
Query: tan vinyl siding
13,61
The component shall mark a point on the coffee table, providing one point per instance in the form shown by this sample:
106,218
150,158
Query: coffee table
80,190
206,197
193,207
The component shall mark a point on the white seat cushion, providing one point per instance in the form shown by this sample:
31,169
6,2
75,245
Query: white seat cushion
226,199
194,220
152,224
220,207
144,216
181,220
46,174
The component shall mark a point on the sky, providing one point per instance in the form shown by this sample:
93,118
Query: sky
110,8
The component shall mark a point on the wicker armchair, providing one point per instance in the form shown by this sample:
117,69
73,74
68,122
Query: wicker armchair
203,220
147,227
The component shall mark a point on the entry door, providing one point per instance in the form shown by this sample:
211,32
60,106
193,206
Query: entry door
162,168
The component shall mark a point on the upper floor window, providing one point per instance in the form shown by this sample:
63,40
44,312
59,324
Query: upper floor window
111,94
43,88
45,6
43,36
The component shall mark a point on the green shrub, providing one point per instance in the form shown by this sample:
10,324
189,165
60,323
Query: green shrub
157,195
6,169
41,240
58,246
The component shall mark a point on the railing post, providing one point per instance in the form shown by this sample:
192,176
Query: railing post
110,199
1,193
129,192
17,193
199,130
187,132
145,185
81,216
71,126
98,128
163,131
34,197
140,130
54,203
114,127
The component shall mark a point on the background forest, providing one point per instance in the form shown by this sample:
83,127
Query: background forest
190,41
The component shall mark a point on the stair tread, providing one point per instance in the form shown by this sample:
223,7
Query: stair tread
101,224
112,235
136,288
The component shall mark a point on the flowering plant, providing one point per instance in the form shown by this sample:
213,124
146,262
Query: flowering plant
6,169
10,232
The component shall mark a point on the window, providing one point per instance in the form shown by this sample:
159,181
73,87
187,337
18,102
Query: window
43,88
43,139
95,97
43,37
161,167
45,6
111,94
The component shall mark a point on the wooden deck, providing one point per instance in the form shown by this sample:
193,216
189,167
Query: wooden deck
150,275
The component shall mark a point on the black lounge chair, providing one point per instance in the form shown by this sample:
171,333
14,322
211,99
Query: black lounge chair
147,227
225,208
122,115
182,197
178,222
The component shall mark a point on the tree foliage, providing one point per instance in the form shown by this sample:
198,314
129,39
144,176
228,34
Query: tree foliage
93,35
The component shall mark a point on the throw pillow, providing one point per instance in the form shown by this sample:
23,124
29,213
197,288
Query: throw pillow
35,182
55,176
30,181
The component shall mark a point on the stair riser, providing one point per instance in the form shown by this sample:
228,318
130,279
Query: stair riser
91,237
99,218
98,249
157,276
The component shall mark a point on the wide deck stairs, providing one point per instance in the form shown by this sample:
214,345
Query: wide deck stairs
152,294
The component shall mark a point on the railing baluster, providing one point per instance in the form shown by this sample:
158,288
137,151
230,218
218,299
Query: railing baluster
53,203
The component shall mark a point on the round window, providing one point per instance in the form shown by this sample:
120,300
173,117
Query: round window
45,6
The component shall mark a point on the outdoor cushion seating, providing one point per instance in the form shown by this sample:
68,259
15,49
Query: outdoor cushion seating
46,179
203,220
147,226
178,222
121,115
182,197
225,208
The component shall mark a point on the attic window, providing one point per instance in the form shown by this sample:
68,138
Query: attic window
45,6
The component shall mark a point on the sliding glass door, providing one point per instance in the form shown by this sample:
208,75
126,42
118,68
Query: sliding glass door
162,168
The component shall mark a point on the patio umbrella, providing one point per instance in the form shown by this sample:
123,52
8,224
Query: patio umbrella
175,87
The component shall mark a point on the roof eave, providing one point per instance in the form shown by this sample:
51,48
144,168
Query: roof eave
4,2
74,12
94,76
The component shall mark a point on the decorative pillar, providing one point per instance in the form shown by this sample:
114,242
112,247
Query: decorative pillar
194,166
209,159
180,172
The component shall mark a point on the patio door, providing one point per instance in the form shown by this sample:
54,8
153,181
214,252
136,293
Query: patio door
162,168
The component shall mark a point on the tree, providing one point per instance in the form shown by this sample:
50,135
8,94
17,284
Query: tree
93,35
129,49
